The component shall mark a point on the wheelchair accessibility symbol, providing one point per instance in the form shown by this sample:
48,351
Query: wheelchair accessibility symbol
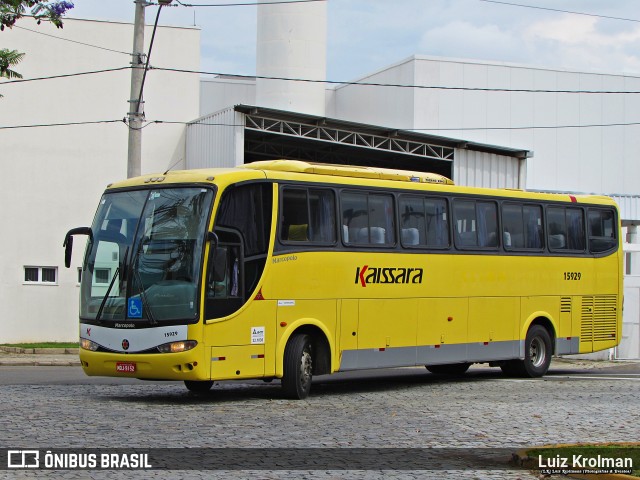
134,309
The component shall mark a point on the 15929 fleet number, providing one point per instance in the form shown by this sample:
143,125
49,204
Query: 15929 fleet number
572,276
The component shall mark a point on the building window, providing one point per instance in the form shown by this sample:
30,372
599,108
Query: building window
41,275
102,275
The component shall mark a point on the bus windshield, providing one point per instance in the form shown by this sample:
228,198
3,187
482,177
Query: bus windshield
145,259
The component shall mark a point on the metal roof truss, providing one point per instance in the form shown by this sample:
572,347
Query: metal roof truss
391,143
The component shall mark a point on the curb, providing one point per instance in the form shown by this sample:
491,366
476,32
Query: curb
40,351
36,363
521,459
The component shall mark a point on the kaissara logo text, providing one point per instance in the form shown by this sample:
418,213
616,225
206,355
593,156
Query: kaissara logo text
367,274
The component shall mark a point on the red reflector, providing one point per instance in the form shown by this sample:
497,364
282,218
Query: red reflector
259,296
222,358
381,349
568,338
437,346
261,355
573,199
486,343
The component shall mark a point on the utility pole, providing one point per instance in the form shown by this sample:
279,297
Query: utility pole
136,115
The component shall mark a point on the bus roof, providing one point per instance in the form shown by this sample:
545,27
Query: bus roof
296,166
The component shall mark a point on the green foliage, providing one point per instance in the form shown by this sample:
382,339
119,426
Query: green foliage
9,58
12,10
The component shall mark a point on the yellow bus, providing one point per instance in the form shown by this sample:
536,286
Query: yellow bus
286,269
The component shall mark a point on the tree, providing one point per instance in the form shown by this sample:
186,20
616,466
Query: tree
13,10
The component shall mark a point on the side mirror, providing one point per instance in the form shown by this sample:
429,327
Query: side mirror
68,242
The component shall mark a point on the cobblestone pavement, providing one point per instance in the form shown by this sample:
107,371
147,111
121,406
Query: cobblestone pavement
413,411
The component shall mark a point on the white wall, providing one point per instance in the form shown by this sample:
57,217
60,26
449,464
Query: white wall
52,177
388,106
223,92
595,159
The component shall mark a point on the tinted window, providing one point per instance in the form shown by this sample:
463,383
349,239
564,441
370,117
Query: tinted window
565,228
522,227
476,224
308,215
602,230
423,222
367,218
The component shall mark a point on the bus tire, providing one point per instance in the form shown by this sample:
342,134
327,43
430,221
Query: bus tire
298,367
449,369
537,355
198,387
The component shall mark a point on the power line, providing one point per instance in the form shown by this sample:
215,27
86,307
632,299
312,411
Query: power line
397,85
59,124
337,82
69,40
244,4
216,124
559,127
66,75
562,11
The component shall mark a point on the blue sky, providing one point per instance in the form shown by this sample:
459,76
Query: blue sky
366,35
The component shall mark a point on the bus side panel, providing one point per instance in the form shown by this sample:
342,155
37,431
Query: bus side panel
387,332
243,329
442,330
348,336
293,314
493,328
543,307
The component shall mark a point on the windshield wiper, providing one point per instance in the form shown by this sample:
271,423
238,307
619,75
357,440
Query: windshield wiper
143,297
106,296
138,279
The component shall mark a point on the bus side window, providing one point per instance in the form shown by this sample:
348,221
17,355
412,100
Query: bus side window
423,221
308,215
522,226
369,218
602,230
476,223
566,228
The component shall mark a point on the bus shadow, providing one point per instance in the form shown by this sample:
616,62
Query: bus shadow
325,386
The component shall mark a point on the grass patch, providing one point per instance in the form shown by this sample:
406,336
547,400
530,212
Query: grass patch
42,345
611,455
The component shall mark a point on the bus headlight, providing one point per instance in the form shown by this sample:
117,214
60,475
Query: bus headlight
89,345
175,347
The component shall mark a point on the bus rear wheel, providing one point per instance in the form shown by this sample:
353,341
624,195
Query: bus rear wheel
298,367
537,355
198,387
449,369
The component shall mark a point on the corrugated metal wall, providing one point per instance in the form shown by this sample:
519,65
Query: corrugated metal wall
216,140
479,169
629,207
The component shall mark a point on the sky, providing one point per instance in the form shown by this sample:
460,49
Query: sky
367,35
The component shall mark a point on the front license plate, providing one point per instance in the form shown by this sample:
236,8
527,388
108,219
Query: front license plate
127,367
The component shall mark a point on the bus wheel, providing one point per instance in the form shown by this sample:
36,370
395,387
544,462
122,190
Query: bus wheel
298,367
198,387
537,355
537,351
449,369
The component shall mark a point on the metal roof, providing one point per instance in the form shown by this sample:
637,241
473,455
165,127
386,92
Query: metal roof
397,135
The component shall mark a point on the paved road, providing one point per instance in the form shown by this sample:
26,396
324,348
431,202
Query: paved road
57,407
